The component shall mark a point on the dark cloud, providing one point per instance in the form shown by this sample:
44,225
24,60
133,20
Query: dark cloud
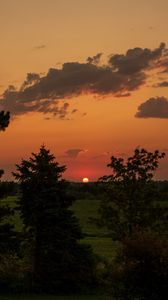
94,59
136,60
156,107
162,84
62,111
119,77
73,153
31,78
163,63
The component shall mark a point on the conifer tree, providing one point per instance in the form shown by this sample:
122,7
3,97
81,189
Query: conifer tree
59,261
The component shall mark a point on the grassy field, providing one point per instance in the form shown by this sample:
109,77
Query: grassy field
98,238
84,209
16,220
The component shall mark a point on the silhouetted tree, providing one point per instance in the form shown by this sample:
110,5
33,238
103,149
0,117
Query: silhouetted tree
59,261
7,232
4,120
131,202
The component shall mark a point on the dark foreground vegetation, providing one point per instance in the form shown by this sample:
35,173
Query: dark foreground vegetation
54,297
104,240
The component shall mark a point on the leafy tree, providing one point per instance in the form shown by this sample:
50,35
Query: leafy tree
131,202
4,122
7,233
59,261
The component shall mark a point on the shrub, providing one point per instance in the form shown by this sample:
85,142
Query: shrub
141,269
14,274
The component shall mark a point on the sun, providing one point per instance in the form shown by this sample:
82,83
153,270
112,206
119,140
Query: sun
85,179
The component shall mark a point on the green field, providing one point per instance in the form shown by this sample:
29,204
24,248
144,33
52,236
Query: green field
84,209
98,238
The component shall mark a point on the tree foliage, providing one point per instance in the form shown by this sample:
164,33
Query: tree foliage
145,266
9,242
7,232
140,270
4,120
131,202
60,262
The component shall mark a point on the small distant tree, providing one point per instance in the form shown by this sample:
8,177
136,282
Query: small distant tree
59,261
4,120
132,195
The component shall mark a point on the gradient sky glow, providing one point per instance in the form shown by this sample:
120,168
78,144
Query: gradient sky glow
83,106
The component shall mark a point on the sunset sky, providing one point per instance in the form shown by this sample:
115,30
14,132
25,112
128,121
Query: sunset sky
87,78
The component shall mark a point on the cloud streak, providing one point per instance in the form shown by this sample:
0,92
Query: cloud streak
73,153
50,94
39,47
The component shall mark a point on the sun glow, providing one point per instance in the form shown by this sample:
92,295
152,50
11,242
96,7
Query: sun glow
85,179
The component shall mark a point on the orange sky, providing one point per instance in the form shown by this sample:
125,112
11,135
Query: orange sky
82,111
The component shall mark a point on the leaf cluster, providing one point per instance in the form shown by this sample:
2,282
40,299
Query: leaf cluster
130,204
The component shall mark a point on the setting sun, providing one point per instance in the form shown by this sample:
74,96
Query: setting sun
85,179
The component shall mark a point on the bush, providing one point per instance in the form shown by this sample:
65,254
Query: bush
14,274
141,269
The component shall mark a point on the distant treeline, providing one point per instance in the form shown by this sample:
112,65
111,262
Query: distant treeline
79,189
8,188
